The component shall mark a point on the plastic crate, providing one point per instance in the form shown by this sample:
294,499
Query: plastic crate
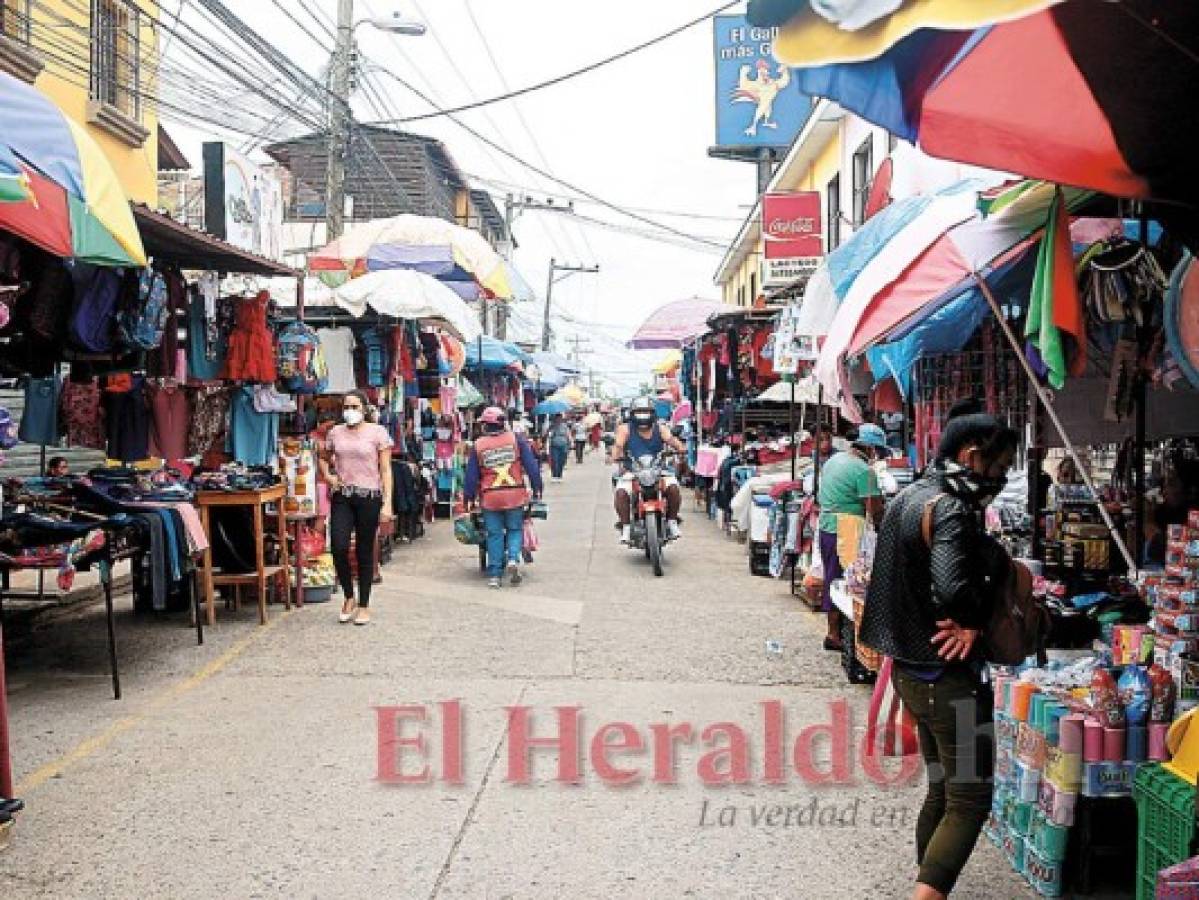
1165,824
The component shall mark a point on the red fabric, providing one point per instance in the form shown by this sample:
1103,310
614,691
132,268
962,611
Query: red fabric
887,397
251,347
44,220
1017,103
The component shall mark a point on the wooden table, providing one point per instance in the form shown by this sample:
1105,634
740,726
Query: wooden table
263,573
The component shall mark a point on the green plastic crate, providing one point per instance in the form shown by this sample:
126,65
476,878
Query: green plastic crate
1165,824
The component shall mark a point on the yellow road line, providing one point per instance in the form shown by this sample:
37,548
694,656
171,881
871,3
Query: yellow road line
88,747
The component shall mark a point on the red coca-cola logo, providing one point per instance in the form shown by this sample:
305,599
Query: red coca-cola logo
791,223
797,227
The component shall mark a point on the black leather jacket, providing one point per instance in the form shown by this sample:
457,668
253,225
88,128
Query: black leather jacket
912,587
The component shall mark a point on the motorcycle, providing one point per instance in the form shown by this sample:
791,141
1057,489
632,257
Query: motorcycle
648,530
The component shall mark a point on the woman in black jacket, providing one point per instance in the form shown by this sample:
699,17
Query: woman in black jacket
935,572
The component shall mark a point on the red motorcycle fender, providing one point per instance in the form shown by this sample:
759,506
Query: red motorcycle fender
651,506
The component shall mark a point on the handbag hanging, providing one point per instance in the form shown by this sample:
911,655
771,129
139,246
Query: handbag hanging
1119,284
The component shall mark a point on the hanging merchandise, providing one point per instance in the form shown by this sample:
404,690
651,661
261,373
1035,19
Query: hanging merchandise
98,295
39,422
269,400
301,361
83,414
338,344
127,419
169,422
1121,282
1181,319
253,436
210,412
142,322
206,344
375,344
251,347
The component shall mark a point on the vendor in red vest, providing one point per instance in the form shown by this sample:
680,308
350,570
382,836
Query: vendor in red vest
496,472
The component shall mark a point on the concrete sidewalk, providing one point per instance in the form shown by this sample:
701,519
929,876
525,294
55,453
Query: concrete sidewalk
247,767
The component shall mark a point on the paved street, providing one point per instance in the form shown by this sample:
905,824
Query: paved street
247,767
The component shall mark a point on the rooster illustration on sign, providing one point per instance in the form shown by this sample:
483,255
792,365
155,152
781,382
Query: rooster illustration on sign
762,89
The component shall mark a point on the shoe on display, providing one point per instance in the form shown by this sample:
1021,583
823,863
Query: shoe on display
514,575
673,533
494,583
626,533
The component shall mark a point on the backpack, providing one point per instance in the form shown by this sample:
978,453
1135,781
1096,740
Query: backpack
301,361
1018,625
144,319
98,292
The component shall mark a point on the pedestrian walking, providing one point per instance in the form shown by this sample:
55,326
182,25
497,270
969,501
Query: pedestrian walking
496,474
935,574
559,438
356,464
580,436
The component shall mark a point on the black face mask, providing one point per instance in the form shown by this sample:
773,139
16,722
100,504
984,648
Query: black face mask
972,487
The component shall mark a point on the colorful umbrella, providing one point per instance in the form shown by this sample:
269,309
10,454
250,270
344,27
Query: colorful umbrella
572,394
1081,93
405,294
75,205
434,246
816,33
674,324
551,407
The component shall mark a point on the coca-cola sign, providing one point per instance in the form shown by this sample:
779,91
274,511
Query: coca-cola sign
791,225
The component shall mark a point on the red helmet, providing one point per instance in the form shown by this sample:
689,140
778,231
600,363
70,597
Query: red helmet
493,415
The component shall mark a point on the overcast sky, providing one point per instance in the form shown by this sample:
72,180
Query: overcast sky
634,133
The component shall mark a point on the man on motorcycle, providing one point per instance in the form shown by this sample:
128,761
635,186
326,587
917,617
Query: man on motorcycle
495,473
644,435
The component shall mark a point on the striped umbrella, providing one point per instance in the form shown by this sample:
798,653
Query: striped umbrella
1080,93
74,205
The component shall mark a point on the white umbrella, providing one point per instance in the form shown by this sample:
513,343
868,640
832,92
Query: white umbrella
806,391
406,294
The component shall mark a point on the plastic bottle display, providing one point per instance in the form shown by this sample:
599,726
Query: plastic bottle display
1105,699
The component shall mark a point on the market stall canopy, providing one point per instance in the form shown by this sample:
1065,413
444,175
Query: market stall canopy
405,294
497,354
430,245
73,203
1082,93
549,370
468,395
807,390
572,394
169,241
674,324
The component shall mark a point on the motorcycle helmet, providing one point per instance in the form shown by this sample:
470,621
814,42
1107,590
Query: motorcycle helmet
642,413
493,419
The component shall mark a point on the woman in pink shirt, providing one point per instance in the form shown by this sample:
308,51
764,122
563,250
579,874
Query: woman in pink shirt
356,464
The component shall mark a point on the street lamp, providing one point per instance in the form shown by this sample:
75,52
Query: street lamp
396,23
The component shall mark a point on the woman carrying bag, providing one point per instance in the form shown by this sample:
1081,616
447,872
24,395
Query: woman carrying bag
937,578
356,465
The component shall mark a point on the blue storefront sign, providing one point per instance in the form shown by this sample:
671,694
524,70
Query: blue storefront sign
758,103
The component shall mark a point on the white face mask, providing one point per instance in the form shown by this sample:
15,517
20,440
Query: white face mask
352,416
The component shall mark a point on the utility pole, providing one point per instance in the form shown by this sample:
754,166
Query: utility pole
549,293
513,207
339,122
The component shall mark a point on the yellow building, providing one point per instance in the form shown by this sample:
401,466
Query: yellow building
836,155
97,59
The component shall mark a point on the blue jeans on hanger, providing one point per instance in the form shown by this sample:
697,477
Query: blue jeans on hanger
505,531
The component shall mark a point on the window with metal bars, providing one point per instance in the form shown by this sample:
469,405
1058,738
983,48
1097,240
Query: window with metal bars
14,20
863,172
116,66
832,212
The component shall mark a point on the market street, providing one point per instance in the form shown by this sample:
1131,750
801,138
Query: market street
247,767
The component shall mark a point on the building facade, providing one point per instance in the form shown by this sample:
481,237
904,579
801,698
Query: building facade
96,59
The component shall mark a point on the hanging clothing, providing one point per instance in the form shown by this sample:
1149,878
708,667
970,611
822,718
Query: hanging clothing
206,345
253,436
251,345
169,422
127,420
338,346
210,411
39,421
83,414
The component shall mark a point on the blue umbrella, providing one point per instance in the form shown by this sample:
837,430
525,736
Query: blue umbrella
551,408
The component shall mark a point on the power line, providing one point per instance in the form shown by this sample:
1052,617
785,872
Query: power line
544,174
551,82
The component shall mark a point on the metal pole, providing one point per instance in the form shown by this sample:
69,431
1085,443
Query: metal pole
791,429
1140,397
1036,456
549,293
1046,403
816,442
339,122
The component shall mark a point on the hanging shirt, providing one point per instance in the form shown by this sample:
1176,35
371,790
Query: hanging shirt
253,436
338,346
169,424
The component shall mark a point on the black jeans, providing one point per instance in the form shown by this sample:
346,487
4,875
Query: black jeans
955,725
358,516
580,446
